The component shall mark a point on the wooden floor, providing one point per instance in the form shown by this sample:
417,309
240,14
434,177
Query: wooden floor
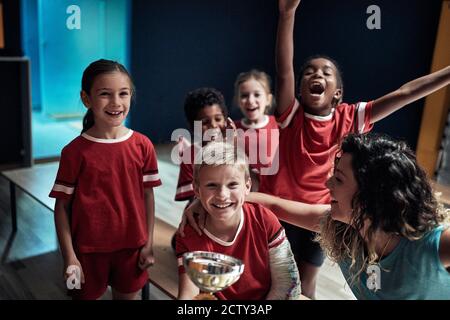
30,263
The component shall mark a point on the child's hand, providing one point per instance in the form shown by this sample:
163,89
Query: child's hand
146,258
285,6
193,213
230,138
71,267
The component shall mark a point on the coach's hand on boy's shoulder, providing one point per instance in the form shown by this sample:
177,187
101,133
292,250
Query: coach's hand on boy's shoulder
195,215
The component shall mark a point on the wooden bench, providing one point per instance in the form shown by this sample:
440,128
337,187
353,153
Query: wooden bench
37,182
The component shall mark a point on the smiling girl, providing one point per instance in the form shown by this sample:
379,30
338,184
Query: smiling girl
104,211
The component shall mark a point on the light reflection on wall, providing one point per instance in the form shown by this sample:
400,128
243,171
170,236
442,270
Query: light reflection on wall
2,37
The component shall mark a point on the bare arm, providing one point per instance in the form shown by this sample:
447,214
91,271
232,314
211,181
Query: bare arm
62,225
409,92
187,290
301,214
444,248
146,258
284,52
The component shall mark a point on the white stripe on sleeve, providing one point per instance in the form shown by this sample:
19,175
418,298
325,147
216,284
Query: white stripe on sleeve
151,177
185,188
361,116
286,122
61,188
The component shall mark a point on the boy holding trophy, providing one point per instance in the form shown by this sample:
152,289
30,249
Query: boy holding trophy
246,231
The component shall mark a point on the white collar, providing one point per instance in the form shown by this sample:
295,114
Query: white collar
226,243
123,138
255,125
320,118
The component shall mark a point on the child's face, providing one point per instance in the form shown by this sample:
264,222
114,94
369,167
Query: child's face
109,99
222,190
343,187
253,100
319,87
212,118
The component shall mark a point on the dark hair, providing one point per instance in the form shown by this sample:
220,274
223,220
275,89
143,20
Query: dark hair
393,190
393,194
340,82
201,98
95,69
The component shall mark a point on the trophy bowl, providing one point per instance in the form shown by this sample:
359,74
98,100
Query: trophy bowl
212,272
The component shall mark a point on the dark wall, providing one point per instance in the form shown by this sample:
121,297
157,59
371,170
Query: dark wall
180,45
15,103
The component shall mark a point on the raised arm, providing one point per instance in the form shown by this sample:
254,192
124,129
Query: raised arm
301,214
284,52
409,92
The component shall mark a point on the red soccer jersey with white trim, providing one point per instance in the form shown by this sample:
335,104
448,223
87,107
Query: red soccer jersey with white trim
105,179
261,142
185,187
259,231
307,148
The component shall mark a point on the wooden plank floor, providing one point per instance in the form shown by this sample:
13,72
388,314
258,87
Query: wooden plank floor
31,266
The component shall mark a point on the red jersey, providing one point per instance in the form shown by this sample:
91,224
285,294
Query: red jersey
105,180
261,143
308,144
185,187
259,230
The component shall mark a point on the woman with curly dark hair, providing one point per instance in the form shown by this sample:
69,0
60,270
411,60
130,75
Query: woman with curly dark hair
384,224
384,228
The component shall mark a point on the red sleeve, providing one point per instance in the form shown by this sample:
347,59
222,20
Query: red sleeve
185,187
286,118
150,171
274,230
67,176
363,116
180,249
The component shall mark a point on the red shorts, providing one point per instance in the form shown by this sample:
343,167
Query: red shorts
118,269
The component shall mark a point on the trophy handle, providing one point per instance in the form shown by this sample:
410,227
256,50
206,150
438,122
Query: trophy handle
205,296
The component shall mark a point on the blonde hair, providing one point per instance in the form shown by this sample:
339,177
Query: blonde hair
261,77
221,153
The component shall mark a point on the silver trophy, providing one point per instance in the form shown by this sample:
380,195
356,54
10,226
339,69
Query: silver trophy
211,272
